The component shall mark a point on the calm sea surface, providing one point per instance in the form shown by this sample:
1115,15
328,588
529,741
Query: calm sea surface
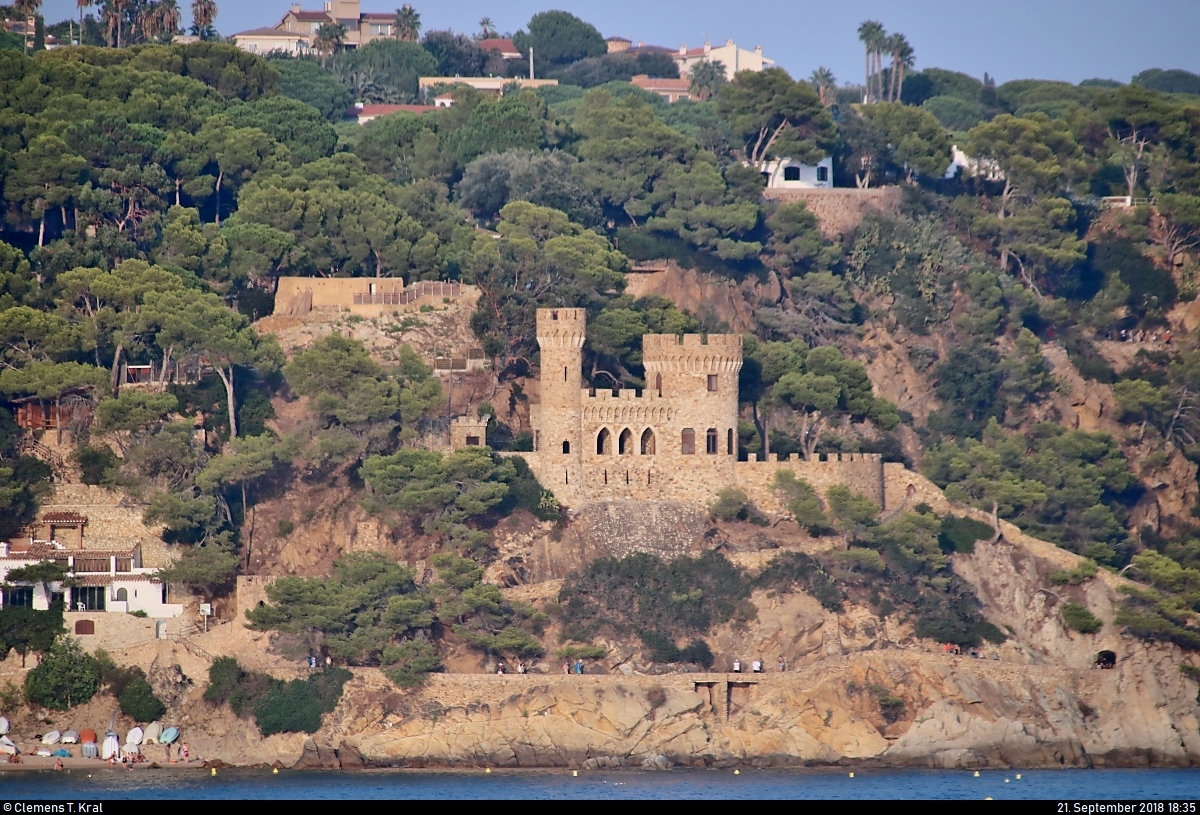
631,784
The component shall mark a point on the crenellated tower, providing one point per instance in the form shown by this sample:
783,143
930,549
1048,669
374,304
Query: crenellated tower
556,420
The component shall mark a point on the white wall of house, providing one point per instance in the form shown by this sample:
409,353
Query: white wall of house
786,174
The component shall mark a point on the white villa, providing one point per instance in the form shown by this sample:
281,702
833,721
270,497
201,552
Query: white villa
731,55
103,579
787,174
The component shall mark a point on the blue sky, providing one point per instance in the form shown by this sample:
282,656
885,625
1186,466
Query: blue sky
1011,39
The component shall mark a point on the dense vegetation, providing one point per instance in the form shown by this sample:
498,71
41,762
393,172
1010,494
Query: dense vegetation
277,706
154,194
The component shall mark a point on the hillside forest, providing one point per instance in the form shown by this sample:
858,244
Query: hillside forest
154,193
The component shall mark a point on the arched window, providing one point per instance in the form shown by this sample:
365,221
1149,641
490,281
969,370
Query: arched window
647,442
687,441
658,383
122,596
710,441
729,448
604,442
625,443
566,447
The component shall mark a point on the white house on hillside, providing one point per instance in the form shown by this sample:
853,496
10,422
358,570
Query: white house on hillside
733,57
787,174
970,166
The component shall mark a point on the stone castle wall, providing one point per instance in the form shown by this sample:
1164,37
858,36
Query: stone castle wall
114,522
840,209
251,590
861,472
297,296
114,631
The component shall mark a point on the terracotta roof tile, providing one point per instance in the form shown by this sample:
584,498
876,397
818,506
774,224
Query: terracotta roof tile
64,516
384,110
498,44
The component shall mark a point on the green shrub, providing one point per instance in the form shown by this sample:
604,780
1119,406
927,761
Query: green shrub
95,463
1082,573
139,703
67,676
892,707
574,652
798,569
285,528
958,534
663,649
297,706
1190,671
224,676
802,502
410,663
731,505
861,558
1078,618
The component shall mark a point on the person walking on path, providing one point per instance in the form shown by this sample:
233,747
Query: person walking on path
757,666
579,666
737,666
782,664
567,667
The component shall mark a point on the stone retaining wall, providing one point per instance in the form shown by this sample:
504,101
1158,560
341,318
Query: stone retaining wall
839,210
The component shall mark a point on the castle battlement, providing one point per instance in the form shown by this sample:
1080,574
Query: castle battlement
712,343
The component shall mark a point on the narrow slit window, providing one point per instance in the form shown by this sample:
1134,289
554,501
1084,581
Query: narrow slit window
687,441
712,383
710,441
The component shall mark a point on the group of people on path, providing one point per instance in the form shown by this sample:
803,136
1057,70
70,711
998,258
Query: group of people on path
1138,335
501,668
315,662
758,666
522,668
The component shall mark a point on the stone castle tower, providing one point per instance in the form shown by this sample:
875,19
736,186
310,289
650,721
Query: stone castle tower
676,440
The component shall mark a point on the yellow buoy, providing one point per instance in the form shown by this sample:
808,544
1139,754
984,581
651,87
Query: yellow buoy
851,775
574,773
1018,776
977,773
274,771
488,770
1006,781
214,770
737,772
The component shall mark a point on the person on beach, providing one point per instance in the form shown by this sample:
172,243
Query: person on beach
58,765
185,752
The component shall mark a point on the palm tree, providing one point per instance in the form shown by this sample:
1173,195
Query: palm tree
903,57
408,23
169,17
203,14
114,15
823,80
871,34
329,39
486,28
707,77
26,8
82,5
150,21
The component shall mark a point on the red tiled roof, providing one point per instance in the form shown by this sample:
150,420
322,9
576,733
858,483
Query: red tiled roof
93,580
497,44
38,551
692,52
384,110
64,517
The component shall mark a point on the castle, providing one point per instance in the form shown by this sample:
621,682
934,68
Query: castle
676,441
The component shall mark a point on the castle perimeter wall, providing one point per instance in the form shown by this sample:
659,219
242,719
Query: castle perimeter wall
365,296
861,472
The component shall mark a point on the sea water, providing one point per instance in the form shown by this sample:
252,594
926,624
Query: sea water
746,784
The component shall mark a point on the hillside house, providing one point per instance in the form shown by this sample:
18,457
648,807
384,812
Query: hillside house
670,89
732,56
369,113
295,32
501,46
787,174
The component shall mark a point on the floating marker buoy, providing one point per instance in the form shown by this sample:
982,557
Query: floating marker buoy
574,773
214,770
988,798
1018,776
488,770
737,772
977,773
1006,781
274,771
851,775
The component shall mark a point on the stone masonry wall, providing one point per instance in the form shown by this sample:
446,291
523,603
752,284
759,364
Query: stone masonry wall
115,631
113,521
251,590
840,209
861,472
